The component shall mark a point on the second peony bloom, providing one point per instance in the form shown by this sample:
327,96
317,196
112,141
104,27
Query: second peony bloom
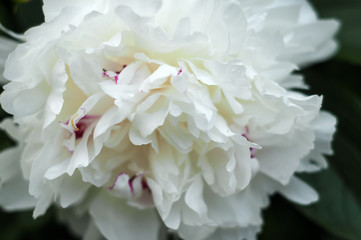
134,114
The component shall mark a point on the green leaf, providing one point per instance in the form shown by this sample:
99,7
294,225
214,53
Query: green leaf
5,141
21,1
21,225
283,221
338,210
349,14
6,16
20,15
29,14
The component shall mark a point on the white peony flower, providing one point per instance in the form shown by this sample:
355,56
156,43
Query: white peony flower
131,114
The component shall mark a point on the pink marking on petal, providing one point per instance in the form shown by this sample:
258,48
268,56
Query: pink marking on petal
89,116
130,184
105,74
115,181
251,150
247,129
116,77
83,124
83,110
145,185
245,136
179,72
246,133
68,150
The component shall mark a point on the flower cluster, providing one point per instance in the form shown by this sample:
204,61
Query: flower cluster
133,114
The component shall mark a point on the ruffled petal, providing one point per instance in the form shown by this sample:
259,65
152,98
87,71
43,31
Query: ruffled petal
116,220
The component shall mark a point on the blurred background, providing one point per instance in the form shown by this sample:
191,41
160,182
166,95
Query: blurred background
337,216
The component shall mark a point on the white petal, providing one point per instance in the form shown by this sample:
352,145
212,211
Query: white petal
14,193
158,77
43,203
249,233
317,37
298,191
116,220
148,8
82,154
280,162
177,137
136,138
194,197
25,103
227,182
242,208
40,165
146,122
17,36
112,116
188,232
55,99
72,190
121,187
324,127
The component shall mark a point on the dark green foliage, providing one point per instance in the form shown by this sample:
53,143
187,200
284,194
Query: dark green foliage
349,13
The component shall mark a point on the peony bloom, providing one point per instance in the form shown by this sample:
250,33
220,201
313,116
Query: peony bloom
133,114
